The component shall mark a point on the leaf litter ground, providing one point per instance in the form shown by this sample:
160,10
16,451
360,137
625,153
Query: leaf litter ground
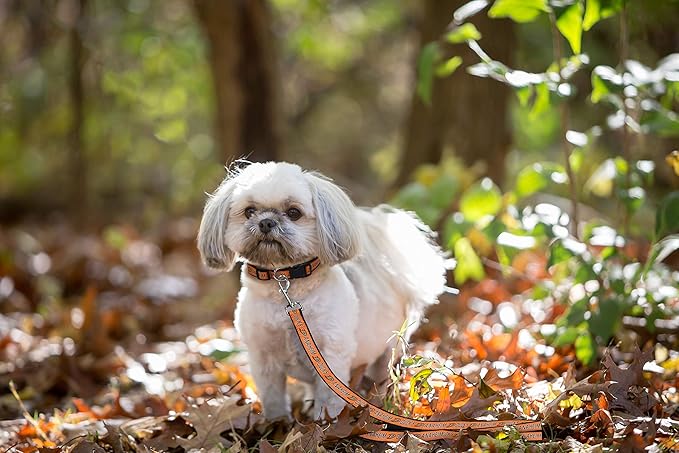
99,351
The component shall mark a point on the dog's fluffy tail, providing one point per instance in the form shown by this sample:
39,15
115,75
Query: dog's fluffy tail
416,263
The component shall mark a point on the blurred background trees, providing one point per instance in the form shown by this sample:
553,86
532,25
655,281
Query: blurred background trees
129,109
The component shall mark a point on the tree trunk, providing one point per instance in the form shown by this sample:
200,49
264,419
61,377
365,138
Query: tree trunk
245,75
77,161
467,113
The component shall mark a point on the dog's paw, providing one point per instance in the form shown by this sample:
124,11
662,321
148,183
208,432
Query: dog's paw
278,412
328,408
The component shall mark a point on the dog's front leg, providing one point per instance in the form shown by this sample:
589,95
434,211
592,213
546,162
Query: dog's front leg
270,380
326,402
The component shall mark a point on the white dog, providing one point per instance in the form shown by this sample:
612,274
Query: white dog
358,274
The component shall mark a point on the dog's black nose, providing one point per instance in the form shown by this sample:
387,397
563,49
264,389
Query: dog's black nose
267,225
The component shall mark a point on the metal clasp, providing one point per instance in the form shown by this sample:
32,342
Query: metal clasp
284,285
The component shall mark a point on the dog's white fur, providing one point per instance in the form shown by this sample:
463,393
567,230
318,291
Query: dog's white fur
379,268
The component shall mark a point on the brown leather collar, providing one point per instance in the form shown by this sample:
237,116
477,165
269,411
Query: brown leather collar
297,271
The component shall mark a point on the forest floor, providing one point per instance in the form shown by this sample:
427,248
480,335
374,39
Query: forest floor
122,342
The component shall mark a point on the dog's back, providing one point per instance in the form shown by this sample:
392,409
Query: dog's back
400,268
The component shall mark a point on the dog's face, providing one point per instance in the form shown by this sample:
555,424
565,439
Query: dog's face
277,215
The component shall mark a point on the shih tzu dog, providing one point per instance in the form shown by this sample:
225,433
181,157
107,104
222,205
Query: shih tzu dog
358,274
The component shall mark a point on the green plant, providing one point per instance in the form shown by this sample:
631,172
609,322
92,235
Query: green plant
600,274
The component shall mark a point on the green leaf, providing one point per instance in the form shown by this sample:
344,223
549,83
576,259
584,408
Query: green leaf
419,384
443,191
524,94
425,71
605,81
411,196
415,361
567,337
463,33
481,199
576,159
660,121
667,216
605,321
575,314
455,227
518,10
599,89
564,249
598,10
542,101
173,131
468,263
448,67
569,24
585,348
537,176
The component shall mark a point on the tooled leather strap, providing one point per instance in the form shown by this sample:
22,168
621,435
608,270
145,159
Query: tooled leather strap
425,430
297,271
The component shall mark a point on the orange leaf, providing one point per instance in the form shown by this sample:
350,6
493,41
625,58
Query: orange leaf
513,381
421,410
443,399
461,392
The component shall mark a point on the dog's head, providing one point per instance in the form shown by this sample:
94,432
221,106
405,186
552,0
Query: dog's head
276,215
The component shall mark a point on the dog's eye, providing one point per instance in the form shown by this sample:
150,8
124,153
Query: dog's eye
249,211
293,214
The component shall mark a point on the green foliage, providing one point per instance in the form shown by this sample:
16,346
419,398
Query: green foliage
600,9
667,215
481,199
463,33
593,278
468,266
518,10
569,23
539,176
425,70
449,66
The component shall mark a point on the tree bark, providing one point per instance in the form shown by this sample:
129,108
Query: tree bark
467,113
245,76
77,160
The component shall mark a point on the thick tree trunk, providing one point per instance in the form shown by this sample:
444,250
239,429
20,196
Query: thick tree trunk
245,74
77,161
467,113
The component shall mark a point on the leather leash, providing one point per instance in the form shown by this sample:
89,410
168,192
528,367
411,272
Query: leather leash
422,429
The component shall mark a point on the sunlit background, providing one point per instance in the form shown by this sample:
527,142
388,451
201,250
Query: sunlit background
110,112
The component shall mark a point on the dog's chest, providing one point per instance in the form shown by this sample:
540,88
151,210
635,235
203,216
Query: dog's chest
296,363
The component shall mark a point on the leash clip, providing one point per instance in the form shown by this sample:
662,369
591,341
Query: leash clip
284,285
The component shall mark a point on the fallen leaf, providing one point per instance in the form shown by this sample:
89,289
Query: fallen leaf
211,418
512,382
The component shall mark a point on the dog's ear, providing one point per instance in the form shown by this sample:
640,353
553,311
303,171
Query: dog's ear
212,232
336,221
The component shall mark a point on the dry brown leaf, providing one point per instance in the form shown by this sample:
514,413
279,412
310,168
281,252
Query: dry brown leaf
312,437
266,447
628,387
87,446
351,422
212,418
513,381
461,391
